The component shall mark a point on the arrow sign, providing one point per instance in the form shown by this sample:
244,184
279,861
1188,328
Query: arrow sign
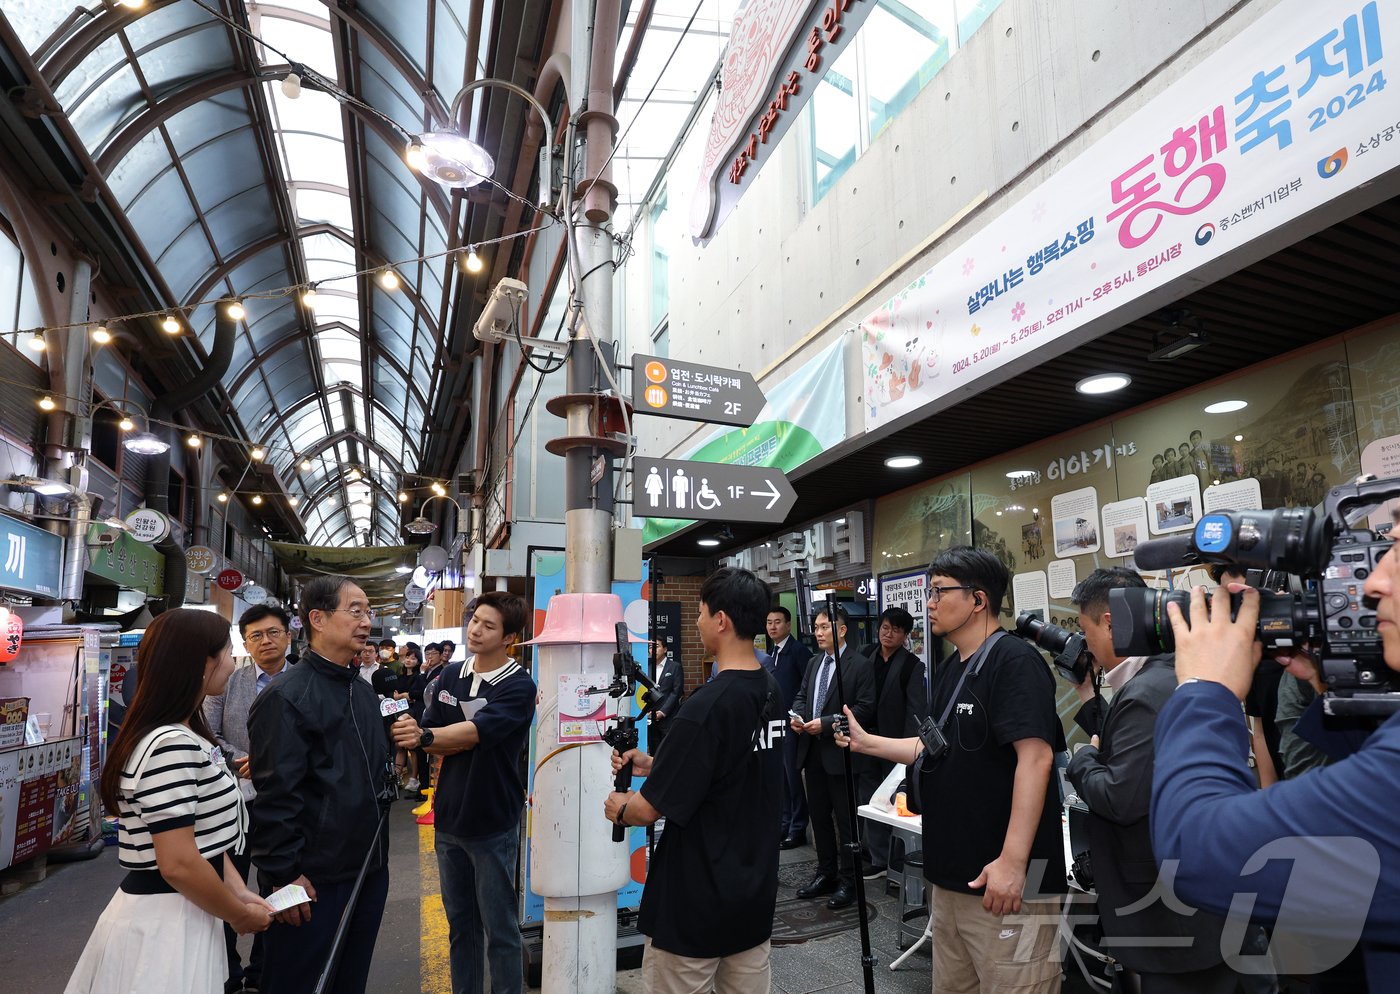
710,491
692,392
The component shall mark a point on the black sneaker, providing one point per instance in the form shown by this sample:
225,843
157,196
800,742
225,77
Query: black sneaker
872,872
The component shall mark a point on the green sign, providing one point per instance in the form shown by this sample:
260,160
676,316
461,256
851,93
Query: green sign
31,559
127,563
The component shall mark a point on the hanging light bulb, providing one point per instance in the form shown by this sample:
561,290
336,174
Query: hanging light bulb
126,424
416,156
474,263
293,501
37,343
170,325
235,310
306,465
403,497
257,498
101,335
388,279
291,86
46,404
194,441
258,454
222,498
439,489
132,4
308,297
355,473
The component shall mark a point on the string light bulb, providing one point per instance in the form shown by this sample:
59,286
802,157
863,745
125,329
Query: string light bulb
194,441
37,343
308,297
101,335
169,325
46,403
293,501
306,465
439,489
126,424
355,473
257,498
291,86
132,4
474,263
258,454
416,157
388,279
235,310
222,498
403,497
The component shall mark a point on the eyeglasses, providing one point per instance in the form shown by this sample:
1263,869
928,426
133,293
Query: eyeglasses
257,638
936,593
891,630
359,613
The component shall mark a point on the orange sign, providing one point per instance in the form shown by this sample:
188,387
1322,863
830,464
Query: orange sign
656,371
656,396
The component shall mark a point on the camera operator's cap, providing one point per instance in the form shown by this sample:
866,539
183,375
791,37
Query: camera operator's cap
582,619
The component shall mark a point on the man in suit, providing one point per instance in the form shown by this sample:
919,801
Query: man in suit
266,633
818,703
901,704
790,658
670,685
1113,775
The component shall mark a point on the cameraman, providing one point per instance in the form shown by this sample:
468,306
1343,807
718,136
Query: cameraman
707,910
1168,949
1335,829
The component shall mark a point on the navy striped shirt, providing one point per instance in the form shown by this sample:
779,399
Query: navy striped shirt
173,780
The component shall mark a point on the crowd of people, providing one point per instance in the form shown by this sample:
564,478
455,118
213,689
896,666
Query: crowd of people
233,786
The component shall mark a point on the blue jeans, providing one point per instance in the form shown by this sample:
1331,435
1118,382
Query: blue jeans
479,897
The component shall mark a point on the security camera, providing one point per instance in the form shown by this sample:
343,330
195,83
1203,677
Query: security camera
498,315
498,318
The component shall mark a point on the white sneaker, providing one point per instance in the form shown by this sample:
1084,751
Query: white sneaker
412,785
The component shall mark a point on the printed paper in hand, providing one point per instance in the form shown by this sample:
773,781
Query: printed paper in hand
288,897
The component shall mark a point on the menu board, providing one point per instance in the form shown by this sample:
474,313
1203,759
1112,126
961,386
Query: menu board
38,798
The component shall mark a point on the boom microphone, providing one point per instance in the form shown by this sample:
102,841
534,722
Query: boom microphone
1165,553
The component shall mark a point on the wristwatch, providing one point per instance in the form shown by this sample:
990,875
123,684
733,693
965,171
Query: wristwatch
426,739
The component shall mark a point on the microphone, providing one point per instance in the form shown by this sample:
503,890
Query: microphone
390,709
1166,553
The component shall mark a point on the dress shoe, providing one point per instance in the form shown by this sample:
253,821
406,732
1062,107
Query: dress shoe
817,886
844,897
793,841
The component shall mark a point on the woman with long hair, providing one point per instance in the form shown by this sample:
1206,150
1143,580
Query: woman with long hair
411,686
181,813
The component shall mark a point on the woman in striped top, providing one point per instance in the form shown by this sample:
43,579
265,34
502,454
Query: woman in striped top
181,813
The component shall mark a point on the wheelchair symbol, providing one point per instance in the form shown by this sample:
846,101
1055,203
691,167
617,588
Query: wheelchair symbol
705,498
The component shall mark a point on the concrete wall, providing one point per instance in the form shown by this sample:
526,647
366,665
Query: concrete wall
1034,86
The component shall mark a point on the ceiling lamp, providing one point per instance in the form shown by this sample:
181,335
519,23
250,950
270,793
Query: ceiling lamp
37,343
101,335
258,454
474,263
420,526
1103,383
903,462
235,310
42,487
143,443
46,403
388,279
1185,333
708,543
170,325
1020,474
1226,406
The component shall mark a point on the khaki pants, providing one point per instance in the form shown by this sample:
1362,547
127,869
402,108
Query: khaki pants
747,972
976,952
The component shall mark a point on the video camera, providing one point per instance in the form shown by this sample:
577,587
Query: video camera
1325,548
1068,651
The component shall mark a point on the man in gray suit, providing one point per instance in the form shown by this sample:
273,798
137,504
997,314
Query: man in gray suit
266,632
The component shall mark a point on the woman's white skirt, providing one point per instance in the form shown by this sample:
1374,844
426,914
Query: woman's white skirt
152,944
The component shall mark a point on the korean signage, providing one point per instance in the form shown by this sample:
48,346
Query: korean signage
694,392
39,798
127,563
666,626
778,52
821,549
229,579
148,526
712,491
1287,116
11,635
199,559
909,590
31,559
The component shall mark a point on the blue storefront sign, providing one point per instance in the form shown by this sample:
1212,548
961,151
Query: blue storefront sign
31,559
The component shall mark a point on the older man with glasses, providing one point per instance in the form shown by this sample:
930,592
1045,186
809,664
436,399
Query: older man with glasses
266,632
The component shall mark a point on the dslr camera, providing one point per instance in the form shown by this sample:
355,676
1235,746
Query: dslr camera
1329,549
1068,651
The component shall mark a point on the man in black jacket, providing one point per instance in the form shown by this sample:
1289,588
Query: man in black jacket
1143,928
818,703
790,659
319,761
670,685
901,704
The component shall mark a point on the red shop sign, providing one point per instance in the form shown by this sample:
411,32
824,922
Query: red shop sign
230,579
11,637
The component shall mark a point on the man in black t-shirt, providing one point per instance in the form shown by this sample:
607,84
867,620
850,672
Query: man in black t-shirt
993,850
707,910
